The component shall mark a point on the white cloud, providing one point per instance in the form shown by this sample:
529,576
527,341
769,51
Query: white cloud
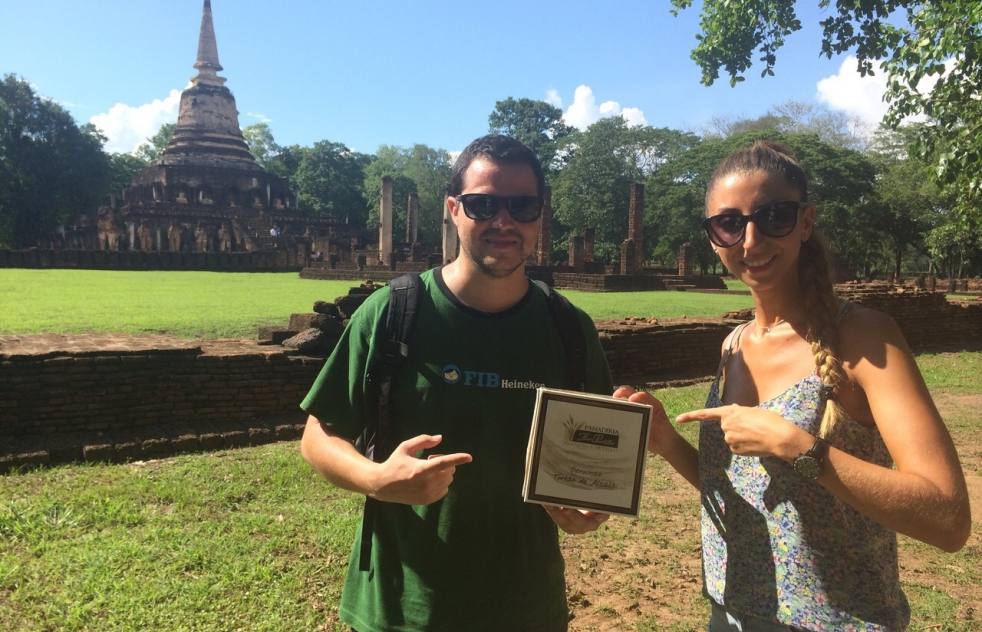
634,117
127,127
553,99
262,118
584,111
861,97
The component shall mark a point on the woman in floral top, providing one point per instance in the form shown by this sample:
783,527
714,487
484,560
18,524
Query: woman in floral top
819,441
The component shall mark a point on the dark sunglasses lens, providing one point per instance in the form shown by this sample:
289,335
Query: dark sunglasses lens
482,207
479,207
725,230
777,220
525,209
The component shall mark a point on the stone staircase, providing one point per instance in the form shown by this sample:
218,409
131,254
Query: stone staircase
255,229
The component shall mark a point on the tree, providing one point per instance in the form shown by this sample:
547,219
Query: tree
593,189
51,170
955,249
287,161
329,179
122,168
534,123
795,117
910,199
262,146
153,148
942,42
420,169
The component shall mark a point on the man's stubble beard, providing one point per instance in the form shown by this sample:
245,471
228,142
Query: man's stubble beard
487,269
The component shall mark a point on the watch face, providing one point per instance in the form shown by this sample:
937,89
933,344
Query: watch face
807,466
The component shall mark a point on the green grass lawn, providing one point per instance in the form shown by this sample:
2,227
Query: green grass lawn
233,305
252,539
184,304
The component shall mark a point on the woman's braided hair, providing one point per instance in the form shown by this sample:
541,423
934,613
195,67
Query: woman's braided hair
821,304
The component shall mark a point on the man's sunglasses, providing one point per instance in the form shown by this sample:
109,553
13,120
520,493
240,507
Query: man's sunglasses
774,220
480,207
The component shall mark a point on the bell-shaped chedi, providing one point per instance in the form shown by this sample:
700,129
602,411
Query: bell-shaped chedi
206,180
207,130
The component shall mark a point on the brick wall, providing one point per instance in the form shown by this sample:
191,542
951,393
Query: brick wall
121,390
667,349
118,405
927,319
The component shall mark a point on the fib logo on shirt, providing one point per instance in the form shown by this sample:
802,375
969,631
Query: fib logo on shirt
484,379
453,375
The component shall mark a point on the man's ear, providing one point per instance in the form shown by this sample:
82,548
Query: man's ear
452,208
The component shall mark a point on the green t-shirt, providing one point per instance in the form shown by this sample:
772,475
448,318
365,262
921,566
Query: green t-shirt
480,558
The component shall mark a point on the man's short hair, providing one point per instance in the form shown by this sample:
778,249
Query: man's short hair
498,149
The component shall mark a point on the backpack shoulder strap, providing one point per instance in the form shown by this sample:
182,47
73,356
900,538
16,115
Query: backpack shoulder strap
570,333
375,441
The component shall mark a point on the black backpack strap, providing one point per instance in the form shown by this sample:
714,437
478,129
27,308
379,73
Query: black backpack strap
570,333
375,442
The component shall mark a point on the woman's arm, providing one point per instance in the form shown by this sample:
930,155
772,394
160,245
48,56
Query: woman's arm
925,497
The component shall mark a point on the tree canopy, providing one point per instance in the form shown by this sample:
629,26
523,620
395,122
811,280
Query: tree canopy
535,123
153,148
329,178
593,188
259,138
51,170
940,43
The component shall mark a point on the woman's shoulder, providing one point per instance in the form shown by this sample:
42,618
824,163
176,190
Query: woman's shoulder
865,332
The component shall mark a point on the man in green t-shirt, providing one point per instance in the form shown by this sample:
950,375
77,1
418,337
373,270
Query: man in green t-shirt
454,546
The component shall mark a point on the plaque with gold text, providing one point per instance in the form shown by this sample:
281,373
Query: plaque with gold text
587,451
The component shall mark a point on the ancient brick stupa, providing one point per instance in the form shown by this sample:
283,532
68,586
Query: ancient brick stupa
206,192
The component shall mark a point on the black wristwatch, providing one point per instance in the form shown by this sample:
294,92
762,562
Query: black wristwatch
809,464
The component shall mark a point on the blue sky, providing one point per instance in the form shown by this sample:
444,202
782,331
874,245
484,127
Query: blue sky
375,72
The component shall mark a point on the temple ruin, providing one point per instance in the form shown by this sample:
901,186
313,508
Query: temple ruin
206,193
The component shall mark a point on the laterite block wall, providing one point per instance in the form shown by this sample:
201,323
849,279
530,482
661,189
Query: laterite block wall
62,404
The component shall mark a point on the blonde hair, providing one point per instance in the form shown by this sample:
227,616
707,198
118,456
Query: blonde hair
820,301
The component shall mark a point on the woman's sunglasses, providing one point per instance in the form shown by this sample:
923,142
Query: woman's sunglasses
481,207
774,220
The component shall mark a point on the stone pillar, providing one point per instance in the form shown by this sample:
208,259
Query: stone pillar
131,232
932,283
412,219
545,229
685,260
627,257
589,236
635,222
576,252
385,222
449,241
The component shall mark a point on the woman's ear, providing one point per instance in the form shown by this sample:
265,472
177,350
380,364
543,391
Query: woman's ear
808,222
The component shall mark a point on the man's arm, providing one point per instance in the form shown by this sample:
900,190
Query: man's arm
402,478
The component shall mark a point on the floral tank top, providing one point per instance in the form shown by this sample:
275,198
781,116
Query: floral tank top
781,548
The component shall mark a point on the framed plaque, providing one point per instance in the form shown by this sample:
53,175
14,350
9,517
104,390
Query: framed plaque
587,451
